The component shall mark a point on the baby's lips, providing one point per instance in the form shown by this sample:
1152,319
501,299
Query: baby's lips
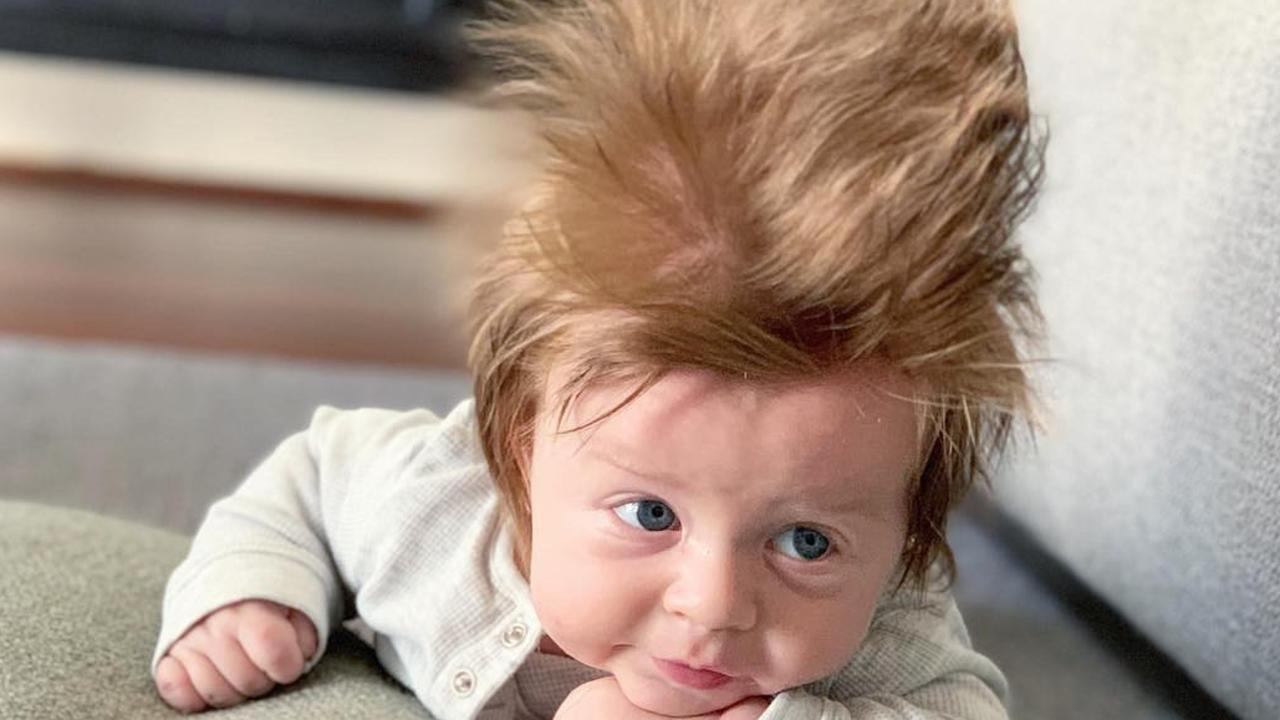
701,679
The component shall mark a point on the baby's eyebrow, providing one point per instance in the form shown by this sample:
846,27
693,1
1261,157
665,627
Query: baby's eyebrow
608,454
849,508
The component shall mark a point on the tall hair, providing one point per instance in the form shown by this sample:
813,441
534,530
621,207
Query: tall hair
767,189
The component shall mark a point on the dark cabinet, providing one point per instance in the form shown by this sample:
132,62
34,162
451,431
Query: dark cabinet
408,45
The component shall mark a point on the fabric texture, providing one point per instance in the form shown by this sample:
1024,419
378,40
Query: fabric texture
78,616
393,516
544,681
1157,240
156,435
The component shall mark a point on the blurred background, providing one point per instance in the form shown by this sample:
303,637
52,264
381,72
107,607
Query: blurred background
283,177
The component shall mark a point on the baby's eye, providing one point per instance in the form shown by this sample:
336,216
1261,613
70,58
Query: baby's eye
652,515
802,543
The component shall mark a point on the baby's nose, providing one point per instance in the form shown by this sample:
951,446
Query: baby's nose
713,590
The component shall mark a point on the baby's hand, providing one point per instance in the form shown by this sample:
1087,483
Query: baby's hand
603,698
239,651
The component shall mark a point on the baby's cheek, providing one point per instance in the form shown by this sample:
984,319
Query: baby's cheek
811,650
552,618
578,608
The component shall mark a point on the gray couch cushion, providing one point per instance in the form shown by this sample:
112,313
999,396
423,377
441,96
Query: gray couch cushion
157,435
79,612
1066,657
1158,243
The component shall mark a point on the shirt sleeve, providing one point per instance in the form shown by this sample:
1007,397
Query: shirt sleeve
292,532
916,664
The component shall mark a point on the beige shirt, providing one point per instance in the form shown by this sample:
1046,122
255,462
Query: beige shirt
393,517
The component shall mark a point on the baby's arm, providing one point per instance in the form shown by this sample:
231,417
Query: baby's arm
915,664
286,539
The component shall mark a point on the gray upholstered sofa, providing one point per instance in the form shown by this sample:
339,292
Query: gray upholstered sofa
1156,485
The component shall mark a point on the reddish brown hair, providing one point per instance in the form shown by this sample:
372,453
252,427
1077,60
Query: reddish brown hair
768,189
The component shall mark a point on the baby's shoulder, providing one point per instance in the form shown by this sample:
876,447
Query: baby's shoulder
387,470
914,636
378,441
416,482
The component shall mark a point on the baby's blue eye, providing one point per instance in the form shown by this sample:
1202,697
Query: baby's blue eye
652,515
802,543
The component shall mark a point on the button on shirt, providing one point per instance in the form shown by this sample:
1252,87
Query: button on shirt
398,511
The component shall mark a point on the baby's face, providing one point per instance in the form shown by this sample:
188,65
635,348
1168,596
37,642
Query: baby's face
719,524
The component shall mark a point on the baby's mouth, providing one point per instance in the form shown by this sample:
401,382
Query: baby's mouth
682,674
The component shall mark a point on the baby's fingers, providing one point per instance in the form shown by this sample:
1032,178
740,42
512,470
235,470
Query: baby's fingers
306,633
234,665
175,688
209,683
272,644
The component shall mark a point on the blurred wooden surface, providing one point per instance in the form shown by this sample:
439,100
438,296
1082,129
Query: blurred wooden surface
86,261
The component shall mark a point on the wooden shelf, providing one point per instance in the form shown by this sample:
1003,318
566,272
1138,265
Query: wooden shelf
87,261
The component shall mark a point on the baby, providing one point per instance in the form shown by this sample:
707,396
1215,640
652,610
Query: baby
758,328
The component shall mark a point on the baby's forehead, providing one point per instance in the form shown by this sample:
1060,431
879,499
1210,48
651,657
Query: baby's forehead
811,437
829,401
